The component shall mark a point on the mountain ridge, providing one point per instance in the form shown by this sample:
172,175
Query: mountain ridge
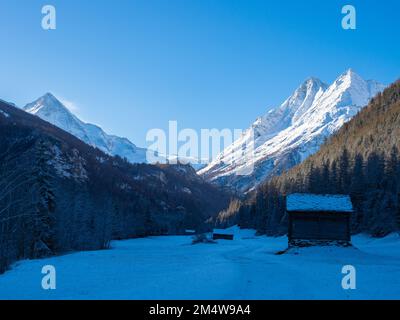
50,109
288,134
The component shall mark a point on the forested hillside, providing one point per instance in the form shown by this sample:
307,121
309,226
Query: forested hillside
58,194
362,159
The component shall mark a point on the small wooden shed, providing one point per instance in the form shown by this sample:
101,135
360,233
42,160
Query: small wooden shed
318,219
222,234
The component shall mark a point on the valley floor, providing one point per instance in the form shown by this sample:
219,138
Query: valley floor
247,268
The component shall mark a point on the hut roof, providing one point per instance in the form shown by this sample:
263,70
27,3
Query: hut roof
315,202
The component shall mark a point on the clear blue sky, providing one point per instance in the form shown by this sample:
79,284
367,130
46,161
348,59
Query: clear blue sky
131,66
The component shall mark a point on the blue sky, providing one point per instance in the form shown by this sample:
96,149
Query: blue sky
131,66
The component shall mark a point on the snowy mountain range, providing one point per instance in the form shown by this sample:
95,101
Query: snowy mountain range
50,109
288,134
277,141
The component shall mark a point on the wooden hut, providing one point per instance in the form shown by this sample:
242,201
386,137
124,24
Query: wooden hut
318,219
222,234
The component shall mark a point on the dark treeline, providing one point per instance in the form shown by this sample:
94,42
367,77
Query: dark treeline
362,159
57,194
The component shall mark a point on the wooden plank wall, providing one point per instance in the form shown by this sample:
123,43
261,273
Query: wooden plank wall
319,226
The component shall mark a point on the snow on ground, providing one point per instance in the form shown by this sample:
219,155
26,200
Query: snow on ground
169,267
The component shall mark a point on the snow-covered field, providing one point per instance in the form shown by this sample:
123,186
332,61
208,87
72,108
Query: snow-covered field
246,268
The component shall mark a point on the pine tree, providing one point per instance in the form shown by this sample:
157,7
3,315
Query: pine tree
334,186
148,222
325,179
44,220
357,185
344,177
357,189
375,170
392,170
313,180
392,174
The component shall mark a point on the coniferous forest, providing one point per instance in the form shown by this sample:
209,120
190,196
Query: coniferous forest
58,194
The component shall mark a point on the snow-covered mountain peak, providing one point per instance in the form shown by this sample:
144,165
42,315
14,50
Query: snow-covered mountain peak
277,119
312,82
305,91
288,134
350,89
52,110
47,103
349,78
50,97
